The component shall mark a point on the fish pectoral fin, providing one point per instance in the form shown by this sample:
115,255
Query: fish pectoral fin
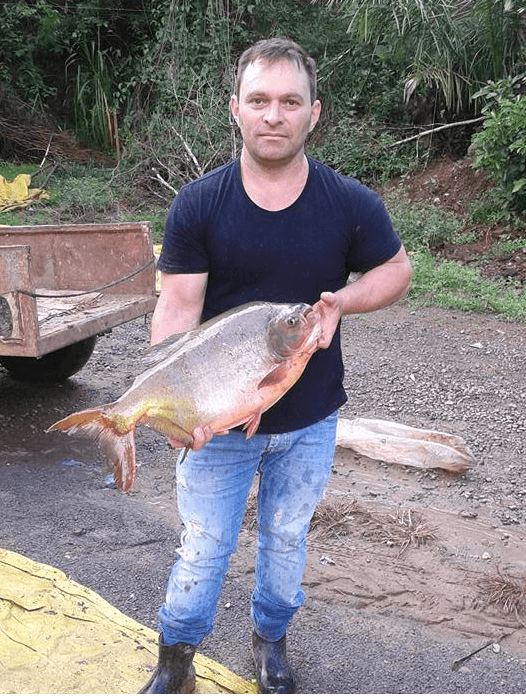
252,423
277,375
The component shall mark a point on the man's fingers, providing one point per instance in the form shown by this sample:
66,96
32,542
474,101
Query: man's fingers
176,444
328,297
330,314
200,436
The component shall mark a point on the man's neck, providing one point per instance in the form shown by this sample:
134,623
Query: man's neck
274,186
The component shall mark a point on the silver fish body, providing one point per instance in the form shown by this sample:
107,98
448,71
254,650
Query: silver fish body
223,374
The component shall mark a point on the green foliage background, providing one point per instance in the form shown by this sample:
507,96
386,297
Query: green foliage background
148,82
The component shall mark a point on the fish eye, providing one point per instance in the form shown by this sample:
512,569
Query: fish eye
292,321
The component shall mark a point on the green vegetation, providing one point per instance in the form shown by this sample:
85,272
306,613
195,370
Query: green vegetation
76,193
9,170
448,284
148,84
452,48
500,146
421,226
364,149
453,286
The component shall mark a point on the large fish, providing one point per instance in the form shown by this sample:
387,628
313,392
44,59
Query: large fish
225,373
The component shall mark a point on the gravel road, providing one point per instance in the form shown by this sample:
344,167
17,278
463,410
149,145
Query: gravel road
427,368
463,374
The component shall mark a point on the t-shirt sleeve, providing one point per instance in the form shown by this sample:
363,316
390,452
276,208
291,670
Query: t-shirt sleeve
184,241
374,240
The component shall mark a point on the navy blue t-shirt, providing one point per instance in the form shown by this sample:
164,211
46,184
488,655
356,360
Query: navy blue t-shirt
336,226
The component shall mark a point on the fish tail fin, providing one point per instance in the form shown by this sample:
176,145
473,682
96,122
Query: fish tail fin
118,446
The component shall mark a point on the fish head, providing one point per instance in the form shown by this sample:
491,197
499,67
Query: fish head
294,328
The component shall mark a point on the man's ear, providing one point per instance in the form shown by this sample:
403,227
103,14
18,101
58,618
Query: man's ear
234,108
315,111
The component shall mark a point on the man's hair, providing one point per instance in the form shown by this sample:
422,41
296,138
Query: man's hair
273,50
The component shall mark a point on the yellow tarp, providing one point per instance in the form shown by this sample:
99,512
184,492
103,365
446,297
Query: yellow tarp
58,637
157,253
17,194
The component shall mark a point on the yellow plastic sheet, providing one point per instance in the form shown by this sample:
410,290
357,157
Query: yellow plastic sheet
157,252
58,637
17,194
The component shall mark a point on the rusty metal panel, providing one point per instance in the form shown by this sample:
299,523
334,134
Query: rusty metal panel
19,325
86,257
109,312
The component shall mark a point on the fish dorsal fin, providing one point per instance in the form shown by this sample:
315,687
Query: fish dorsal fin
156,354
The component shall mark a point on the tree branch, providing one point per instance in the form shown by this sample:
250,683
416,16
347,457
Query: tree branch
163,182
439,128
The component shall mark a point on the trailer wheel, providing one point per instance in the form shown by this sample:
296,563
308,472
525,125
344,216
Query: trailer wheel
52,367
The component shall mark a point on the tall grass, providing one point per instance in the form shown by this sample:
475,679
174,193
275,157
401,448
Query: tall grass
94,111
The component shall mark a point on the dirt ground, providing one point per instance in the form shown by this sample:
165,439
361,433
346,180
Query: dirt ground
454,185
444,551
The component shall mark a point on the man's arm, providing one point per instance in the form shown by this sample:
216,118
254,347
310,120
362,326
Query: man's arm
179,309
379,287
180,304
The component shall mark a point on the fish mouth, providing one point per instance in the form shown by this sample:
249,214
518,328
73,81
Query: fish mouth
303,308
309,314
306,313
311,318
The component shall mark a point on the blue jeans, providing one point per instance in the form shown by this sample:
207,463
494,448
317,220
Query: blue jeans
212,488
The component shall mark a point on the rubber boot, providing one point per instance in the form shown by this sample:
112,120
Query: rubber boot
175,673
273,672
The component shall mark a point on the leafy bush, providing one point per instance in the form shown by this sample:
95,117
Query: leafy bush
500,146
28,30
363,149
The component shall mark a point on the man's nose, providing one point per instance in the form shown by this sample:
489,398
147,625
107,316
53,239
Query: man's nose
273,113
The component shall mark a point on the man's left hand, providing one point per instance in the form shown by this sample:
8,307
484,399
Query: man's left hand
329,309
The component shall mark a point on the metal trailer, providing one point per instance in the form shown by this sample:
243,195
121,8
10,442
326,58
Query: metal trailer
62,285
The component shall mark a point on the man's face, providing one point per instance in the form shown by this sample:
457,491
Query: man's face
274,112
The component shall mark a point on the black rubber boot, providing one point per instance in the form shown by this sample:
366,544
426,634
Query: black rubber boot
273,672
175,673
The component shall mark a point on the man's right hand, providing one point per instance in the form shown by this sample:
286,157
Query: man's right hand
200,435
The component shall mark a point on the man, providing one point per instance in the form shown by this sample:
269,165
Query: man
275,226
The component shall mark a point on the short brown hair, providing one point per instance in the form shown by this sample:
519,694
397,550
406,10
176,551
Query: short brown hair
273,50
